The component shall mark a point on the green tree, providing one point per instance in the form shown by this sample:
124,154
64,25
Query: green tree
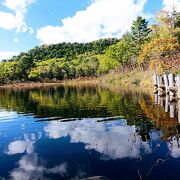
9,71
121,52
106,64
140,33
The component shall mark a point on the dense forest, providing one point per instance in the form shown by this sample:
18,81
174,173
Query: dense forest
155,46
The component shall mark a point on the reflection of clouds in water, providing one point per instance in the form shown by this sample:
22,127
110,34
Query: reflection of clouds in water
21,146
4,113
114,142
31,167
174,147
6,116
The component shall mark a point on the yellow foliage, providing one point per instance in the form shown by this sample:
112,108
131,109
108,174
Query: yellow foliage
161,54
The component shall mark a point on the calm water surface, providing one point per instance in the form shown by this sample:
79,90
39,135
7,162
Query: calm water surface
81,132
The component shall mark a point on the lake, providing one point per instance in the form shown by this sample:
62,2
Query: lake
78,132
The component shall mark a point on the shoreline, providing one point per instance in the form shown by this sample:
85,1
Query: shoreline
129,80
48,84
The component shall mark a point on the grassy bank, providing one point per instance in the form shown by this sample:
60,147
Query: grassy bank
136,77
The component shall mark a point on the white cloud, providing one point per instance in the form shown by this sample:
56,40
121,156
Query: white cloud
101,19
113,140
15,20
7,20
7,54
169,4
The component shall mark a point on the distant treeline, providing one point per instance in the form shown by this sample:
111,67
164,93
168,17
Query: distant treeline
145,46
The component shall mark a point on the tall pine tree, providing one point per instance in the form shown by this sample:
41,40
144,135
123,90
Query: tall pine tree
140,34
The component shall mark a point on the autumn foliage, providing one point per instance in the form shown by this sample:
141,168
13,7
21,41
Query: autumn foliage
161,54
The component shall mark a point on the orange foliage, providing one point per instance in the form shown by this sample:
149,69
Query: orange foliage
161,54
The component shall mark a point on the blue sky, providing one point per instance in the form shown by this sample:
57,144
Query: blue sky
25,24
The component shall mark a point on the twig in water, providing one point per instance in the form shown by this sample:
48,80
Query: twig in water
139,175
157,162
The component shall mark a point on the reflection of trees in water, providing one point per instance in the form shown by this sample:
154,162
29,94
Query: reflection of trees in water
79,102
144,130
67,102
161,119
134,115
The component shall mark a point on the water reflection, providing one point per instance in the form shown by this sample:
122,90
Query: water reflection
114,140
20,147
25,145
171,106
31,167
81,132
164,114
69,102
174,147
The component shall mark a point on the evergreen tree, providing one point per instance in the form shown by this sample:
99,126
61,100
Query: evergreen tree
140,34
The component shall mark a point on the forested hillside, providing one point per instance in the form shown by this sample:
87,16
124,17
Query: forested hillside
146,46
59,61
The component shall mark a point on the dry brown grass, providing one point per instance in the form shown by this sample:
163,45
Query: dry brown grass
136,79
